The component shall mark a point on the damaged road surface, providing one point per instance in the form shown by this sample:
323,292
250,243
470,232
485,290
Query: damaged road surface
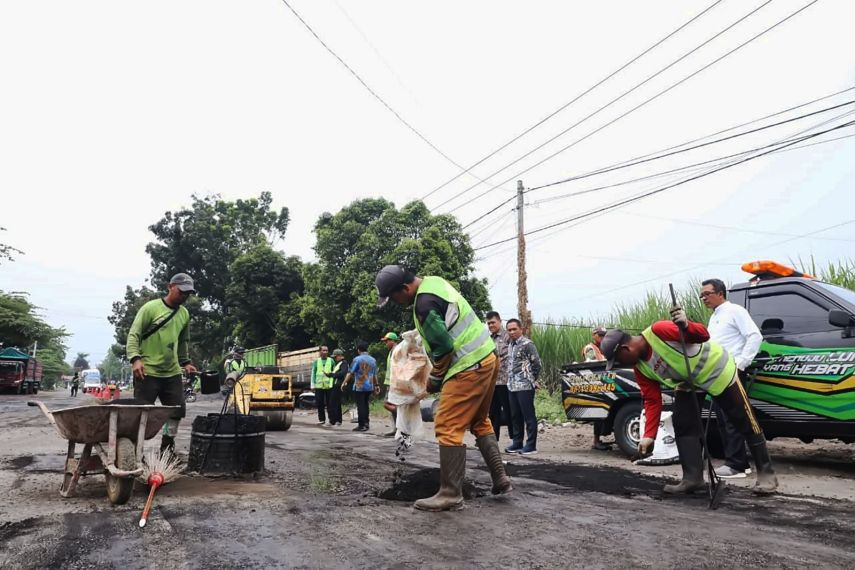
331,498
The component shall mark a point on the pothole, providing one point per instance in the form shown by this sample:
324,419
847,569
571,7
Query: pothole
415,485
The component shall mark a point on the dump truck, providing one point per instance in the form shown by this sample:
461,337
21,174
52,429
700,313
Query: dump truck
272,383
802,381
19,372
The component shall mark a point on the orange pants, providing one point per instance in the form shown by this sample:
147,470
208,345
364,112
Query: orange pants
464,403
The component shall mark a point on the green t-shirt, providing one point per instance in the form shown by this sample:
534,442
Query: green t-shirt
165,351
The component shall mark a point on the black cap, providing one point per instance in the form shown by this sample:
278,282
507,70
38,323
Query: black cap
610,344
388,280
239,349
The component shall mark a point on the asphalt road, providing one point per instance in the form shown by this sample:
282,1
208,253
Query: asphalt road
330,498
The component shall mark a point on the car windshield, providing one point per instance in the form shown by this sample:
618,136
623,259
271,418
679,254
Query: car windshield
845,294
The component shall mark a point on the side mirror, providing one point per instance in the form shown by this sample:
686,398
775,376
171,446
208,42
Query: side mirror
840,318
772,325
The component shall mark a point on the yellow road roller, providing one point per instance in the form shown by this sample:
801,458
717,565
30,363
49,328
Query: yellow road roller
265,392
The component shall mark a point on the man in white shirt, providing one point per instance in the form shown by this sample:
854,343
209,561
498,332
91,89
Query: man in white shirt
732,327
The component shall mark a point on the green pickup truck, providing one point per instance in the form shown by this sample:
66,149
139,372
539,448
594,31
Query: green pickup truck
803,380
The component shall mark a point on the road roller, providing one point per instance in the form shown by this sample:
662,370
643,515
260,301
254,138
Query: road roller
265,392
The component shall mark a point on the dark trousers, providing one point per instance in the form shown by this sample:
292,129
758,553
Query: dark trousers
735,455
500,411
523,417
362,407
170,391
73,390
599,428
322,397
334,404
733,401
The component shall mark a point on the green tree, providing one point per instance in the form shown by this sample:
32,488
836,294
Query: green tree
7,252
111,366
81,362
263,284
22,327
340,302
124,312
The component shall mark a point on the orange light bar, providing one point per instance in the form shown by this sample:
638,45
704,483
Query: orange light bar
772,268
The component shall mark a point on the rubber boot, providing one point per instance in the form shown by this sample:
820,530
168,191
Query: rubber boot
452,468
489,446
692,462
767,482
394,430
167,442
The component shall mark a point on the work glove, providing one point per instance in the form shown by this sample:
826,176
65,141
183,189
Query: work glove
645,446
434,384
678,316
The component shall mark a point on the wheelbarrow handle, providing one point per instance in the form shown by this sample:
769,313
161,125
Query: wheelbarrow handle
44,410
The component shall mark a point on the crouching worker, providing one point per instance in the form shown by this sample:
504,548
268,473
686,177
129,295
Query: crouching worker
464,372
158,348
658,360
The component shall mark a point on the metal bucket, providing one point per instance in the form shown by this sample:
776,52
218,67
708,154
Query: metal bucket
227,444
210,381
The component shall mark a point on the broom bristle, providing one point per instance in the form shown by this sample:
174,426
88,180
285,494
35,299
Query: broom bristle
167,464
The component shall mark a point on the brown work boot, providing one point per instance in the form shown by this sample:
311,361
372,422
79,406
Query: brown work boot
452,468
489,447
767,482
693,467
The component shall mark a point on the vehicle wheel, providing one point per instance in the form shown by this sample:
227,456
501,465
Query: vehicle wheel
276,420
119,489
627,428
29,388
35,390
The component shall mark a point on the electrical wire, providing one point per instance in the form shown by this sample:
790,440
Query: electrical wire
603,107
642,104
561,108
376,96
666,151
670,186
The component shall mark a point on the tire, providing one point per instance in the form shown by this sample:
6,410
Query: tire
627,427
36,390
119,489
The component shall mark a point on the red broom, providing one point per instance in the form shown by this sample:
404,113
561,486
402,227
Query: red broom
158,468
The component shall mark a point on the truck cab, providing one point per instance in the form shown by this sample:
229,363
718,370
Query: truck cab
90,379
803,381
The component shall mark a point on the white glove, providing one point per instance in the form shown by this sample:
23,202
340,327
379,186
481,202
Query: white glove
645,446
678,316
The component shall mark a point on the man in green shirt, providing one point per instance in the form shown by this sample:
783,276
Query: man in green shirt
391,340
158,349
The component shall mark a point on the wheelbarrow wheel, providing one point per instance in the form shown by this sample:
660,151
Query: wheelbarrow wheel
119,489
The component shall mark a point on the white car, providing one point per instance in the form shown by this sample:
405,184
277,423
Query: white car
90,379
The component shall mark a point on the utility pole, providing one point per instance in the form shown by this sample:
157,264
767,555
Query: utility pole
522,276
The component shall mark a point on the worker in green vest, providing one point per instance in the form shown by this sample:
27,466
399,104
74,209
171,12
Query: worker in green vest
391,340
235,363
658,359
465,367
336,376
322,383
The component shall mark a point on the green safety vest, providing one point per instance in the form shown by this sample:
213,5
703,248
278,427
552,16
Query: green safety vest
321,380
472,342
237,365
712,367
388,379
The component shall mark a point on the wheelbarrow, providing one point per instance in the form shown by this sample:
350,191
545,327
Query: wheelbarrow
116,433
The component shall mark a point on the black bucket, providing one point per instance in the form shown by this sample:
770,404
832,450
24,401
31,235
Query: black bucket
227,444
210,382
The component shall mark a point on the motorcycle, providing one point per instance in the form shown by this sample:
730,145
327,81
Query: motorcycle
189,392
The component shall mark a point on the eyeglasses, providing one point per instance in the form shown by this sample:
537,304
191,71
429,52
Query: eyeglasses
706,294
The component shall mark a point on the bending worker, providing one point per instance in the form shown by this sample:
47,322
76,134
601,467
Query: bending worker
464,371
658,360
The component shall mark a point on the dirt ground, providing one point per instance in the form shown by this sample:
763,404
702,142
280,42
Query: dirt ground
331,498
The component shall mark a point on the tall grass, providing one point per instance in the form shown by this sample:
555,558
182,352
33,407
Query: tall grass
840,272
561,342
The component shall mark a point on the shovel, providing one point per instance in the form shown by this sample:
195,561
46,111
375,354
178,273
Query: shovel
715,485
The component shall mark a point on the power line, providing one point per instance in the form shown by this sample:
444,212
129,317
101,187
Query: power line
690,166
670,186
600,82
638,159
375,95
603,107
695,147
645,102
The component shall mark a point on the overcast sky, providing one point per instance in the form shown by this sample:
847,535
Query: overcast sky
114,112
